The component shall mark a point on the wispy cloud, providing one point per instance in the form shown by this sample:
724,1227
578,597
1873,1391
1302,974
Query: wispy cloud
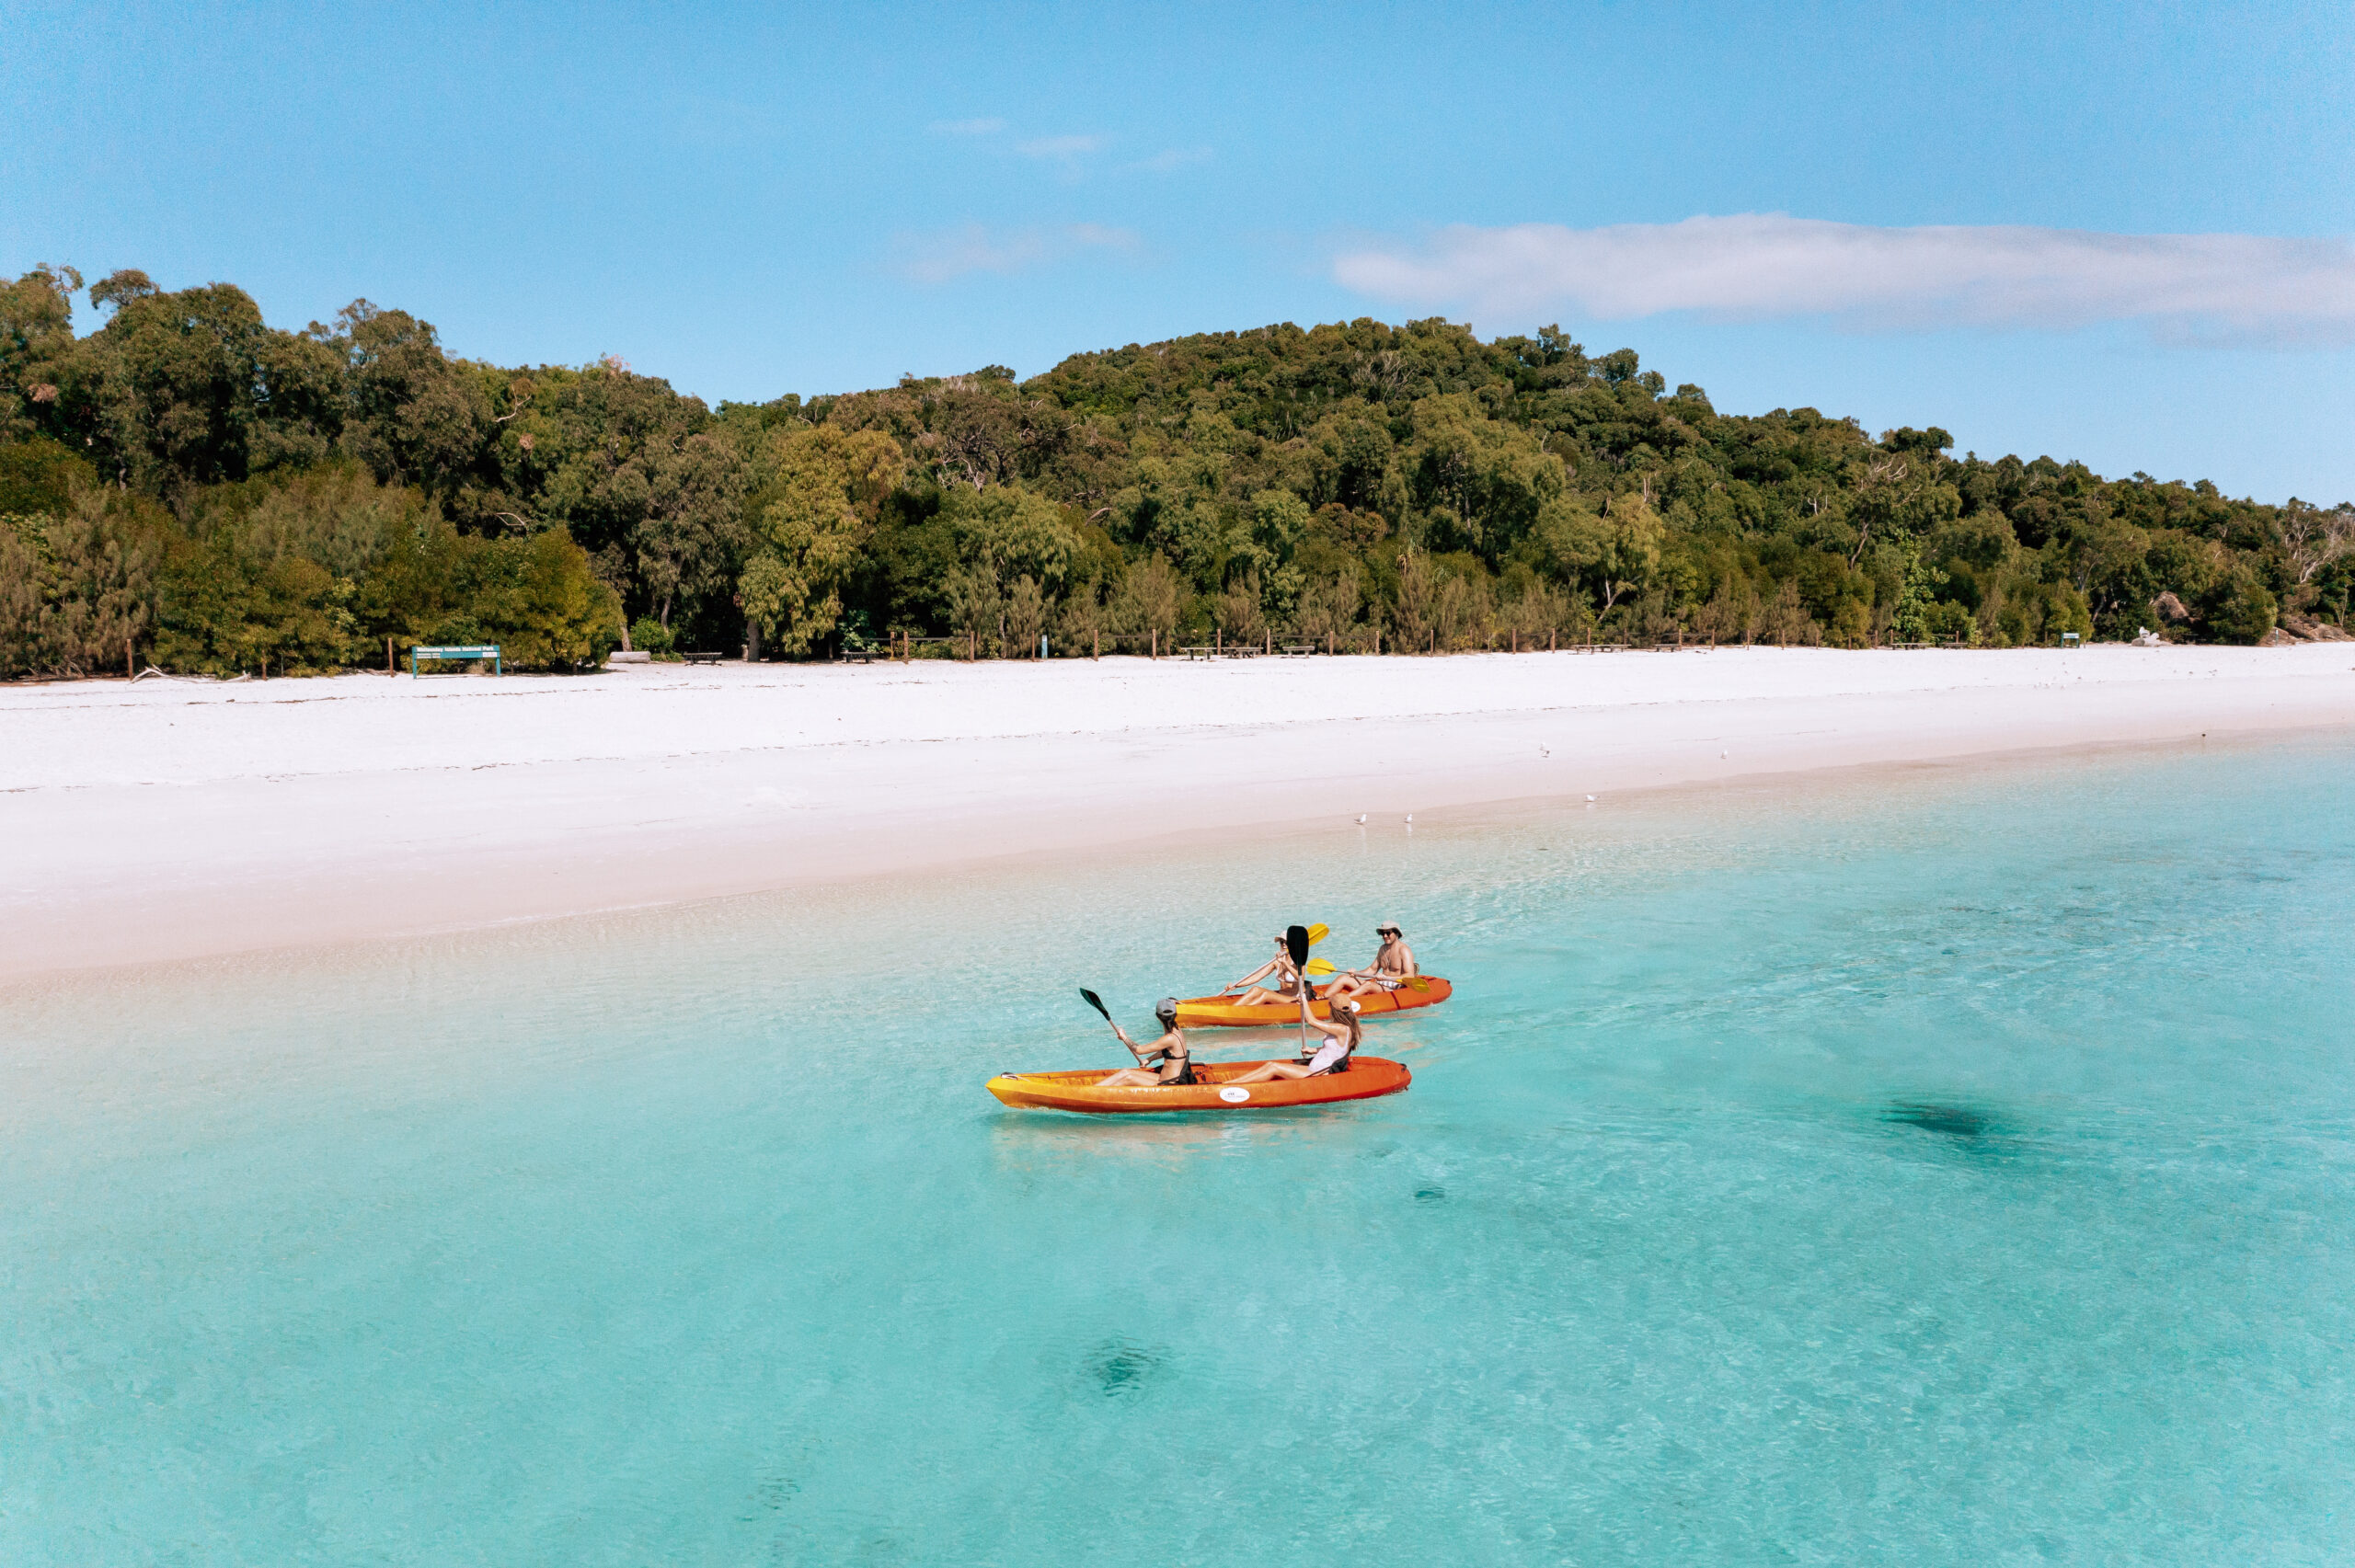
1172,159
1063,147
2193,288
944,255
969,127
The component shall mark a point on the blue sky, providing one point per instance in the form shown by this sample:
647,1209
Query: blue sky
1949,208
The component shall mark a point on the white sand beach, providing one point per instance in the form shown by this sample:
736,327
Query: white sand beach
176,818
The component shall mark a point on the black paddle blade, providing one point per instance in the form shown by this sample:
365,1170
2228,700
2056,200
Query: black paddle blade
1296,944
1096,1002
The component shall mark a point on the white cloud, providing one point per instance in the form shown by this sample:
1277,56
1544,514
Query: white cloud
1058,146
969,127
2207,288
944,255
1172,159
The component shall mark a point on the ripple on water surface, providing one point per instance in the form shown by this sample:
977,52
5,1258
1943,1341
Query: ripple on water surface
1938,1168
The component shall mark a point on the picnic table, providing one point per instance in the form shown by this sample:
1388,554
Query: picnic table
1198,650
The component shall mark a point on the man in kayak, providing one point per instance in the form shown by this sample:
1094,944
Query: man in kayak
1177,1065
1393,964
1287,986
1341,1041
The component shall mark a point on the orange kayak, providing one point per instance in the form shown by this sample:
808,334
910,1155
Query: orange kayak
1220,1011
1364,1079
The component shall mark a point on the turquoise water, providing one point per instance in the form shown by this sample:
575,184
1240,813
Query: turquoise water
1948,1167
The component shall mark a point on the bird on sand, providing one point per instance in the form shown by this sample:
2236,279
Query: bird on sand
1360,818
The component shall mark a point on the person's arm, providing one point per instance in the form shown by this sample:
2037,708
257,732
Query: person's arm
1255,977
1134,1050
1412,969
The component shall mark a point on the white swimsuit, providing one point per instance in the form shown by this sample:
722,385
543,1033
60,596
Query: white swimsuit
1328,1056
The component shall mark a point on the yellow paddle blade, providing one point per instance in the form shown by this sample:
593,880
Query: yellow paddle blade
1318,967
1318,934
1418,982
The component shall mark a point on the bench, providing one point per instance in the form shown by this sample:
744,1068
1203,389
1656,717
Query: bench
457,654
1299,650
702,658
1199,650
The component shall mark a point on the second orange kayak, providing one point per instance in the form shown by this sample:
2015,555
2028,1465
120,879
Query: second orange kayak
1221,1012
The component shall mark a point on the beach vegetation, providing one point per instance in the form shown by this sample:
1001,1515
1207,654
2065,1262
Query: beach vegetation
185,483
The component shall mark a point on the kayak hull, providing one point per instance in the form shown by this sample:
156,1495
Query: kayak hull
1366,1078
1221,1012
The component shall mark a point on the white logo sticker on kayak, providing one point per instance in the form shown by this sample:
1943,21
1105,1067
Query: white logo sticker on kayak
1233,1095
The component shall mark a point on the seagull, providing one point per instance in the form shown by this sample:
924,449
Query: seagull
1590,800
1360,818
1410,818
1543,752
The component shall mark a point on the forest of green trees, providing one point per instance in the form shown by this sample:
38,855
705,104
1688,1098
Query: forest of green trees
189,487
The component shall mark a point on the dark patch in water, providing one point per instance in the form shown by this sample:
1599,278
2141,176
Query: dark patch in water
1948,1121
1121,1368
1430,1195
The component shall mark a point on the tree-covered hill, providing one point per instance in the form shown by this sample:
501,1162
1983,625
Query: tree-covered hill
216,494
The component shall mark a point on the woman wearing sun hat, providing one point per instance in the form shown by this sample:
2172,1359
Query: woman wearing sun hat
1333,1053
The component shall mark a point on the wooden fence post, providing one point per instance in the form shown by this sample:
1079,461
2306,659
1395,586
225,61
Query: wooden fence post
1098,651
1272,642
1156,644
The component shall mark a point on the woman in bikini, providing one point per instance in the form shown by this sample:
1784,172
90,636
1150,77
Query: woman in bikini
1177,1064
1287,985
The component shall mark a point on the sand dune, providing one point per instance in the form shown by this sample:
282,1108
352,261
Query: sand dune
175,818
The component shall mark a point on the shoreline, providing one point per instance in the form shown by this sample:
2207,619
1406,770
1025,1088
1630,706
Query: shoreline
182,819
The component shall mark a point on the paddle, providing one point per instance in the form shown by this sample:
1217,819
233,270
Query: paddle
1318,967
1318,933
1096,1002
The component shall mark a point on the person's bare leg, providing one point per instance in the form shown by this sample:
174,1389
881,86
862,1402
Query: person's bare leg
1267,1073
1130,1078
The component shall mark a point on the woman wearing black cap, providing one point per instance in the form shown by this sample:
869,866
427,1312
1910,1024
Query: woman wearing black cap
1177,1065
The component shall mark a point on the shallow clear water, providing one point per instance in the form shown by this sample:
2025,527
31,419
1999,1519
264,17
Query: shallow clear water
1949,1167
